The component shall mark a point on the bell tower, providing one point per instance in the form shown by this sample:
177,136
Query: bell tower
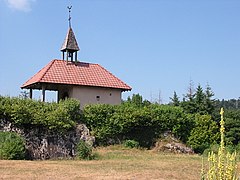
70,46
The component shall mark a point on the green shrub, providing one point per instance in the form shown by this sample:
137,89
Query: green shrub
131,144
84,151
204,133
213,148
25,113
237,147
11,146
109,123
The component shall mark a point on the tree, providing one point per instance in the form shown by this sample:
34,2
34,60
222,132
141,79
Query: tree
24,94
203,134
175,99
199,100
137,100
209,102
232,120
191,91
188,103
228,104
146,103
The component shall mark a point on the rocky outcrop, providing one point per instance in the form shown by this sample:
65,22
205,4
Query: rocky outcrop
174,147
168,143
44,144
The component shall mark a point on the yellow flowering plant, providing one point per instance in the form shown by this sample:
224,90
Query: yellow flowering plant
222,166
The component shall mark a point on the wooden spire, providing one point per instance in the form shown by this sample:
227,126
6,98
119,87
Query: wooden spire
70,45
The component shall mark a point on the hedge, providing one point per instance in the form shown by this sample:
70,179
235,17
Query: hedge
110,123
26,113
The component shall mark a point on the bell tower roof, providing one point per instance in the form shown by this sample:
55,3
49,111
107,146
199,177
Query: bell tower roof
70,43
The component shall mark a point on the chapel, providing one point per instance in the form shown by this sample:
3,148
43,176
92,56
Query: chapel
89,83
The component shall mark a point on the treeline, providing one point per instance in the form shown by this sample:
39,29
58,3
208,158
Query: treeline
196,101
200,101
232,104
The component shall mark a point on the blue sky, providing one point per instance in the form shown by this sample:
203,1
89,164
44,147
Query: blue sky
152,45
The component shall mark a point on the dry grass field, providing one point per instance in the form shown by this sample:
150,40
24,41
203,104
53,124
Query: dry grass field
113,163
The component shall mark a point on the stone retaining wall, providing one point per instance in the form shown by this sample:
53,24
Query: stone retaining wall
44,144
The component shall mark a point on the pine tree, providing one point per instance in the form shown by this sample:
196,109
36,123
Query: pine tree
199,100
209,102
188,103
175,99
191,91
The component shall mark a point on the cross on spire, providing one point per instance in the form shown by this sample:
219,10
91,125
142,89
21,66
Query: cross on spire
69,15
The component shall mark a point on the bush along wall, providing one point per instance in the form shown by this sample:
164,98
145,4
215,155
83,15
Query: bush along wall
12,146
53,130
50,130
26,113
146,124
111,124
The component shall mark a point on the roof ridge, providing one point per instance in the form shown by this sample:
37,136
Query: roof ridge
113,75
79,61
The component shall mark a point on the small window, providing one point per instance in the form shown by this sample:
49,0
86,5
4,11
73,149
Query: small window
98,98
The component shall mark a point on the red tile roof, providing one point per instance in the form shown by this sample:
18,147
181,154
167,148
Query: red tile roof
80,73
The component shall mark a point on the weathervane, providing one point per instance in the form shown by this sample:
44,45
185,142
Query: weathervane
69,15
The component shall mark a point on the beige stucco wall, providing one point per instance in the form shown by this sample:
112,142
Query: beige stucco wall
93,95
